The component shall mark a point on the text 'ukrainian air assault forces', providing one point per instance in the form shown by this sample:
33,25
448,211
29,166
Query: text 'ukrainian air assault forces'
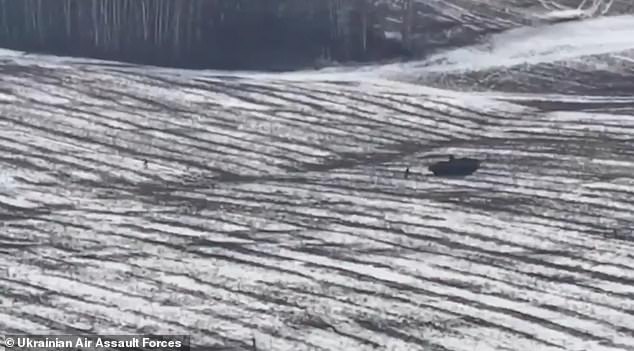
84,342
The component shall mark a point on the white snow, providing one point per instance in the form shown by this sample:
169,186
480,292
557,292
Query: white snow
528,45
282,212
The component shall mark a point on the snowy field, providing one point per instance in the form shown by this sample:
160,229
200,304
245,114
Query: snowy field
275,207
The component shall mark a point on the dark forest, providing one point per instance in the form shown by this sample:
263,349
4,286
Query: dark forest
220,34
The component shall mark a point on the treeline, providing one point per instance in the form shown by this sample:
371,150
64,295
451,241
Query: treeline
230,34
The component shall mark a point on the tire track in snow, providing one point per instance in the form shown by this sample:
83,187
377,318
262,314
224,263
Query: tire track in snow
300,231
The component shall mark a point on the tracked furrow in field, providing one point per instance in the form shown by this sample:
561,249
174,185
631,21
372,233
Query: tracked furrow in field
277,208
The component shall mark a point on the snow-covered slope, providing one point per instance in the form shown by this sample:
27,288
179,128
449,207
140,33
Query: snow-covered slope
590,57
275,206
439,24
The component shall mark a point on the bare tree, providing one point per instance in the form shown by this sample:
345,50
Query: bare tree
594,9
183,29
408,19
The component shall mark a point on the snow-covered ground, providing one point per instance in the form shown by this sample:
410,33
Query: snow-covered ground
564,57
275,207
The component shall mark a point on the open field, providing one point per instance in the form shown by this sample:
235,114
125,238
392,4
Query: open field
275,207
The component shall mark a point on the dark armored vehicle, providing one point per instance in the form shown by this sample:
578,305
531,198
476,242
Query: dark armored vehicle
455,167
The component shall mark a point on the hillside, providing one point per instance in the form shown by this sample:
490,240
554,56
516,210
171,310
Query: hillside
276,35
274,205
